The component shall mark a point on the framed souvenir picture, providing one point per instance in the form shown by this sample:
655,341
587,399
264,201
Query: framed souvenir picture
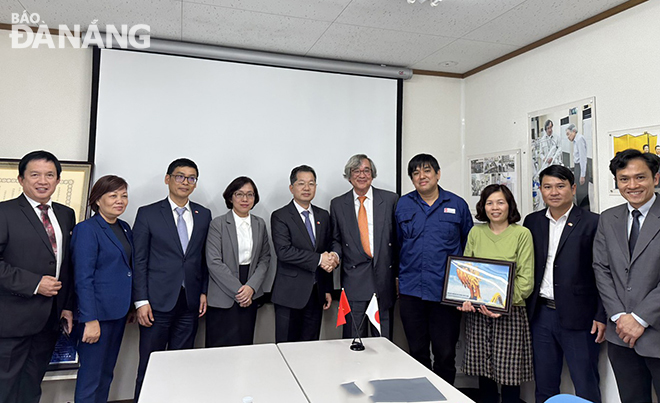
481,281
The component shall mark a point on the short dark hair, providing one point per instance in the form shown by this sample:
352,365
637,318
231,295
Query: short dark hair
302,168
38,155
622,158
234,186
422,160
559,172
548,123
514,214
105,184
181,162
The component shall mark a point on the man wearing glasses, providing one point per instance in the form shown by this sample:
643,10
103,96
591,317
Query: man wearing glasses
170,272
364,237
302,237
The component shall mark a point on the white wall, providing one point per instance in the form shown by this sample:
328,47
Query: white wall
45,100
432,125
615,60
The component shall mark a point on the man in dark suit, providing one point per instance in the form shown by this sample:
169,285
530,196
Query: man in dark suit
170,274
566,316
364,238
35,278
627,268
302,237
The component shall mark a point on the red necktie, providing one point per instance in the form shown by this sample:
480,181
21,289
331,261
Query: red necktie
48,226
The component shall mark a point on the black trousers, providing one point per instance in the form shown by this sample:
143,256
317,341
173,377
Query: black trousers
429,322
231,326
634,374
24,361
299,324
173,330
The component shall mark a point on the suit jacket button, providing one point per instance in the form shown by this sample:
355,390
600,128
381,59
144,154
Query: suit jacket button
628,288
389,244
347,245
129,274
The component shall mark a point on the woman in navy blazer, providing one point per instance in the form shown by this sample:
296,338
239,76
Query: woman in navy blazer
102,250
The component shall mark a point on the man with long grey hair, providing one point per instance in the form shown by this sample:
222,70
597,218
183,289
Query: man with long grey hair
364,238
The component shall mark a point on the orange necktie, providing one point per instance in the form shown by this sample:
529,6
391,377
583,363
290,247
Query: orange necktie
363,224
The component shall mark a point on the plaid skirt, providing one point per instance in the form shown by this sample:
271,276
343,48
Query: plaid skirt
499,349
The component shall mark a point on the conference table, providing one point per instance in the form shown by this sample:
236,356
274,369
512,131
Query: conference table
306,372
223,375
321,367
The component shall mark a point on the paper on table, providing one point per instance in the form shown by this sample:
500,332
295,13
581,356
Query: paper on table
405,390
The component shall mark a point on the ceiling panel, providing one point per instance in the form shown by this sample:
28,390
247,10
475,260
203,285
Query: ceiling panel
249,29
372,45
324,10
452,18
534,20
467,55
163,16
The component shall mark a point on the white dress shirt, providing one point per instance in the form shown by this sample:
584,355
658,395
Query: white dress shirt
580,154
244,235
369,207
547,290
56,228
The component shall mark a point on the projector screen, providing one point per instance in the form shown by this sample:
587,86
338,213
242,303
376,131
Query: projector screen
237,119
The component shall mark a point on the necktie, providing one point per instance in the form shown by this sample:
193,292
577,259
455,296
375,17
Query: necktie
363,224
48,226
181,228
308,225
634,231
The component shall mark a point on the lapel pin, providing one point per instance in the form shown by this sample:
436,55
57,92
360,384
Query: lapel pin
570,224
196,212
318,223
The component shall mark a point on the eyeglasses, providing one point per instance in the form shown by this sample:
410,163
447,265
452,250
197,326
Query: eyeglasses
358,172
180,179
240,195
301,184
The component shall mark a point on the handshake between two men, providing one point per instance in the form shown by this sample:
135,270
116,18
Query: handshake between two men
329,261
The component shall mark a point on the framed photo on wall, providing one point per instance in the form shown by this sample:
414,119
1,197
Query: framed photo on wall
502,168
566,135
486,282
644,139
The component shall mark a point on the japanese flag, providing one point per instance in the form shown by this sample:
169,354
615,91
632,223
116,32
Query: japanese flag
372,313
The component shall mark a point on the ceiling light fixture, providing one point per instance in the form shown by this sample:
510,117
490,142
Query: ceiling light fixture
433,3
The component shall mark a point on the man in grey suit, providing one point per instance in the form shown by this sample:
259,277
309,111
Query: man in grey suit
364,238
627,269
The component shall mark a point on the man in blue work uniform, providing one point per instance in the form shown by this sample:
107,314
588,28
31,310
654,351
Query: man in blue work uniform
432,224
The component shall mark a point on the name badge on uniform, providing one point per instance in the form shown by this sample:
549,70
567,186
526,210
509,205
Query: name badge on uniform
450,210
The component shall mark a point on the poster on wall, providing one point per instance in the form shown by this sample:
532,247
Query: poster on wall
644,139
496,168
565,135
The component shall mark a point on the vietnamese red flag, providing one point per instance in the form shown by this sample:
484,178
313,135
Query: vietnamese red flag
372,313
344,309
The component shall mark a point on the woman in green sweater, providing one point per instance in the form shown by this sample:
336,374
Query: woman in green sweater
498,347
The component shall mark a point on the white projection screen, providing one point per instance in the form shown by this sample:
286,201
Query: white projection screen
237,119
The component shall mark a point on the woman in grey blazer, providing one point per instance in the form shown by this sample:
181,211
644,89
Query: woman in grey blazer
238,257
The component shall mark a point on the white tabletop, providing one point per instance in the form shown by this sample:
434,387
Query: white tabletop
224,375
322,366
